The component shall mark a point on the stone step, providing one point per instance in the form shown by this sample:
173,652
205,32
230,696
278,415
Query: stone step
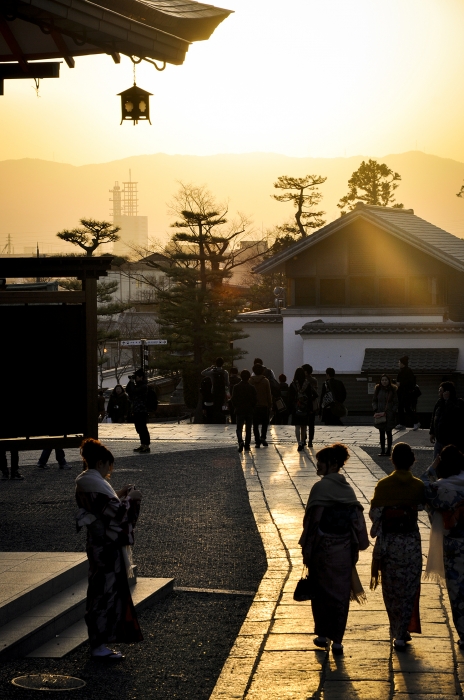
28,579
144,593
43,622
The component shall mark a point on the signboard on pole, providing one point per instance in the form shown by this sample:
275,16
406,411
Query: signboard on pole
127,343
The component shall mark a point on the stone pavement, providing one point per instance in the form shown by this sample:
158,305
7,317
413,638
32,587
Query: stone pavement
273,657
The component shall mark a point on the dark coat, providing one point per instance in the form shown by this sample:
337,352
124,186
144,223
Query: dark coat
138,395
244,398
386,400
407,380
293,392
447,423
118,407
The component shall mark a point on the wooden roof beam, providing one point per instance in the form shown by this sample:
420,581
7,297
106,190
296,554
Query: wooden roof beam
62,48
13,44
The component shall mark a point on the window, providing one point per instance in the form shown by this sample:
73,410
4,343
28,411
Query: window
362,291
420,291
425,291
392,291
305,291
332,292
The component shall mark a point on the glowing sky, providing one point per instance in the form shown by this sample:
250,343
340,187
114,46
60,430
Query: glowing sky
322,78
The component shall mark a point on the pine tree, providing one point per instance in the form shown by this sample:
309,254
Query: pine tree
197,310
92,235
303,192
372,183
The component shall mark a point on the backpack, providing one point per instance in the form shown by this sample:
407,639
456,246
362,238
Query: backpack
152,399
206,388
219,384
302,407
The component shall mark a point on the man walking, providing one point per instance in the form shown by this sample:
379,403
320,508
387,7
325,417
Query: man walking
263,405
234,379
244,399
60,458
220,378
137,390
333,397
406,382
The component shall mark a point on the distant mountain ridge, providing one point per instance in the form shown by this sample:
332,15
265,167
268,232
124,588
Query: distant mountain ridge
39,198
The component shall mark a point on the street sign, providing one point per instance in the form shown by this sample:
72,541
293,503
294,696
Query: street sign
126,343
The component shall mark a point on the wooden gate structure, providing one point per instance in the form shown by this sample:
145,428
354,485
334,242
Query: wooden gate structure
48,354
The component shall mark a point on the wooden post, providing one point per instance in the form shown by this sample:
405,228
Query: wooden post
89,286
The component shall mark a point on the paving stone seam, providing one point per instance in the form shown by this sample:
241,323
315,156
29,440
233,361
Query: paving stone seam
224,687
451,634
290,477
283,580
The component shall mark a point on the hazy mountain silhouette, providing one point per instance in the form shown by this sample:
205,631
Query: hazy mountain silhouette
39,198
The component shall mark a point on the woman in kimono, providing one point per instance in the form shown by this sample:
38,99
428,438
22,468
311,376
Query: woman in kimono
110,517
397,556
334,531
444,491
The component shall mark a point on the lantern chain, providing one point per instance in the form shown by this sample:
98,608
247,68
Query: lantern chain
37,84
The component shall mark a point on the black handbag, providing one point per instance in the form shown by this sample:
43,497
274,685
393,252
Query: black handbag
303,588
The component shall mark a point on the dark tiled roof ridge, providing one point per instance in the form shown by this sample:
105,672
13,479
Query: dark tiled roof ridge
414,230
377,328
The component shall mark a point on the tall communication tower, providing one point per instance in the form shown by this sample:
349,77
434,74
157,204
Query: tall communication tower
133,228
125,201
116,199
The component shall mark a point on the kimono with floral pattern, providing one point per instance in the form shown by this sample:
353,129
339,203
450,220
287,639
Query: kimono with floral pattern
400,563
447,497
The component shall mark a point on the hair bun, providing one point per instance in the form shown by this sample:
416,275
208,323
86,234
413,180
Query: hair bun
341,451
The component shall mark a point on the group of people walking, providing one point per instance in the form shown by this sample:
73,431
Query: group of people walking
257,395
334,531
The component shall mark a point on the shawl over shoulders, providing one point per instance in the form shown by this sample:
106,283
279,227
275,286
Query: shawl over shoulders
400,488
330,490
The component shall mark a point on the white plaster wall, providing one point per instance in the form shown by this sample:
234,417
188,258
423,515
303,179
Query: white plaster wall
264,341
293,344
381,318
346,353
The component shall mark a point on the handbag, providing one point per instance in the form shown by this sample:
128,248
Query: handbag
303,588
380,418
280,405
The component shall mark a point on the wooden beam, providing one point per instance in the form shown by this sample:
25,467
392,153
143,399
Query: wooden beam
12,71
91,424
35,297
116,56
61,45
13,44
41,443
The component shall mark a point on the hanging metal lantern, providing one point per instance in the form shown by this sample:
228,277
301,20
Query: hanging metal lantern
135,105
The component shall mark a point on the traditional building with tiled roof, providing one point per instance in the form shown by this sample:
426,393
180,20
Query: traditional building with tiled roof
369,287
